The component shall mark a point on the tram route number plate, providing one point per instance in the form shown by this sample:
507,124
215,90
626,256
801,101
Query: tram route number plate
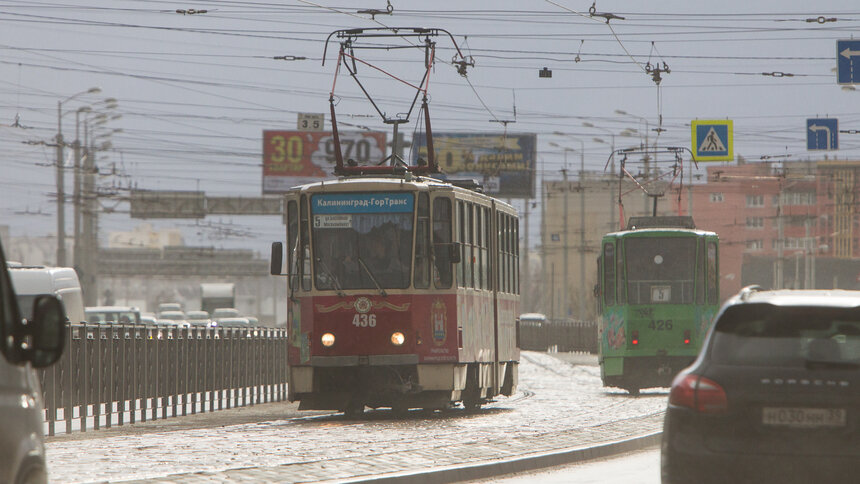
804,417
660,294
333,221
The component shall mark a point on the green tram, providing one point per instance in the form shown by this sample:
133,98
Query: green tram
658,291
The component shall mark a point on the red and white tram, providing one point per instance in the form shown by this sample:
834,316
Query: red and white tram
403,293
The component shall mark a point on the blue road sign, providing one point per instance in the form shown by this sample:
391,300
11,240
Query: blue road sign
822,134
848,61
712,140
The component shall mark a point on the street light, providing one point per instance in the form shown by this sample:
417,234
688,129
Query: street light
646,159
93,111
61,192
88,216
76,197
581,220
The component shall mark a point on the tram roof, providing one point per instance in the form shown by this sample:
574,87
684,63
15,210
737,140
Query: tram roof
399,182
656,231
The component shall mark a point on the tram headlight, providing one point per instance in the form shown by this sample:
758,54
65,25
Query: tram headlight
327,339
397,338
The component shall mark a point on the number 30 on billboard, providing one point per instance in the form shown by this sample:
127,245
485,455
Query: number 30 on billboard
292,158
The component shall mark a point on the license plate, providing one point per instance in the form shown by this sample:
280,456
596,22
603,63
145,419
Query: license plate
804,417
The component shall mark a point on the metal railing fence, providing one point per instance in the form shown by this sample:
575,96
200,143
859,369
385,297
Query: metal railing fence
559,335
115,374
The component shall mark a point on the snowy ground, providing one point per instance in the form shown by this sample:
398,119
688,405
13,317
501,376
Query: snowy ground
560,404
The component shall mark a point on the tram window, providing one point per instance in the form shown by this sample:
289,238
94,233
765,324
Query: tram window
597,287
508,255
442,274
470,251
506,234
292,238
479,254
620,275
609,273
488,223
700,272
422,243
461,269
516,254
503,261
304,245
712,273
506,228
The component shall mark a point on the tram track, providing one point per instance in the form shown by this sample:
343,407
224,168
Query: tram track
552,411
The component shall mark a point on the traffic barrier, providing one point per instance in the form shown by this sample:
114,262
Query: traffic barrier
116,374
559,335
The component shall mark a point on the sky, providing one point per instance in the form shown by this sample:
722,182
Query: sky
194,91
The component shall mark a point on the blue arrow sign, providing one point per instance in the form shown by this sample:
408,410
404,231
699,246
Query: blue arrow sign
848,61
822,134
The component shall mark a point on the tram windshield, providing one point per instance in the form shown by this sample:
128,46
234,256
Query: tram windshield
660,269
362,240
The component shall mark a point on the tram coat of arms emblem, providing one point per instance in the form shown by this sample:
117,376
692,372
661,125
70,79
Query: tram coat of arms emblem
438,319
363,305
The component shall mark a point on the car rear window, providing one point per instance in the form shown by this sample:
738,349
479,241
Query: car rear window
766,335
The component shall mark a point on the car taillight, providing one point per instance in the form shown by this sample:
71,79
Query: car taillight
687,337
634,337
699,393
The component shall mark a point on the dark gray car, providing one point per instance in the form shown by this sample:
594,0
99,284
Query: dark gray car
774,395
25,345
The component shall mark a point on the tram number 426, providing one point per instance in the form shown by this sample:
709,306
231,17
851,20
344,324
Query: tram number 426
364,320
660,324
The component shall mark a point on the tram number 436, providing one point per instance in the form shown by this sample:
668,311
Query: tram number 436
660,324
364,320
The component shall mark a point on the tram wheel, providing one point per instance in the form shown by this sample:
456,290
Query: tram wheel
472,403
399,410
633,391
354,409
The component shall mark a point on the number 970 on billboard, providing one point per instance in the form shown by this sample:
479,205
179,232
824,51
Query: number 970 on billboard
292,158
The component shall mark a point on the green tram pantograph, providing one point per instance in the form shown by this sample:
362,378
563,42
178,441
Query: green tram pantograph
657,293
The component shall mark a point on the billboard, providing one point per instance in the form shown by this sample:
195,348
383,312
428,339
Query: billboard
504,164
293,158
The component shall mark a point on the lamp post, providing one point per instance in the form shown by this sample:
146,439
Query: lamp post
581,223
61,192
647,130
89,215
647,158
626,132
94,110
76,198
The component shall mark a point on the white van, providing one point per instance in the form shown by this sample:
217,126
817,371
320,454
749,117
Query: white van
23,347
62,282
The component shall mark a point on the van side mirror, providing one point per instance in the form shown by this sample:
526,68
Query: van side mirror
45,333
277,260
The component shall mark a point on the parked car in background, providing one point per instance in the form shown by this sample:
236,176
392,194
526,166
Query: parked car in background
221,313
112,314
173,306
177,318
37,344
232,323
252,321
198,318
532,319
33,281
148,318
774,395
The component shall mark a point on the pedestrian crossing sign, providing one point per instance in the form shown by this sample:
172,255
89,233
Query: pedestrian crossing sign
712,140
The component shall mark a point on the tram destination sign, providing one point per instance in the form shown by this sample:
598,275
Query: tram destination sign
292,158
504,164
